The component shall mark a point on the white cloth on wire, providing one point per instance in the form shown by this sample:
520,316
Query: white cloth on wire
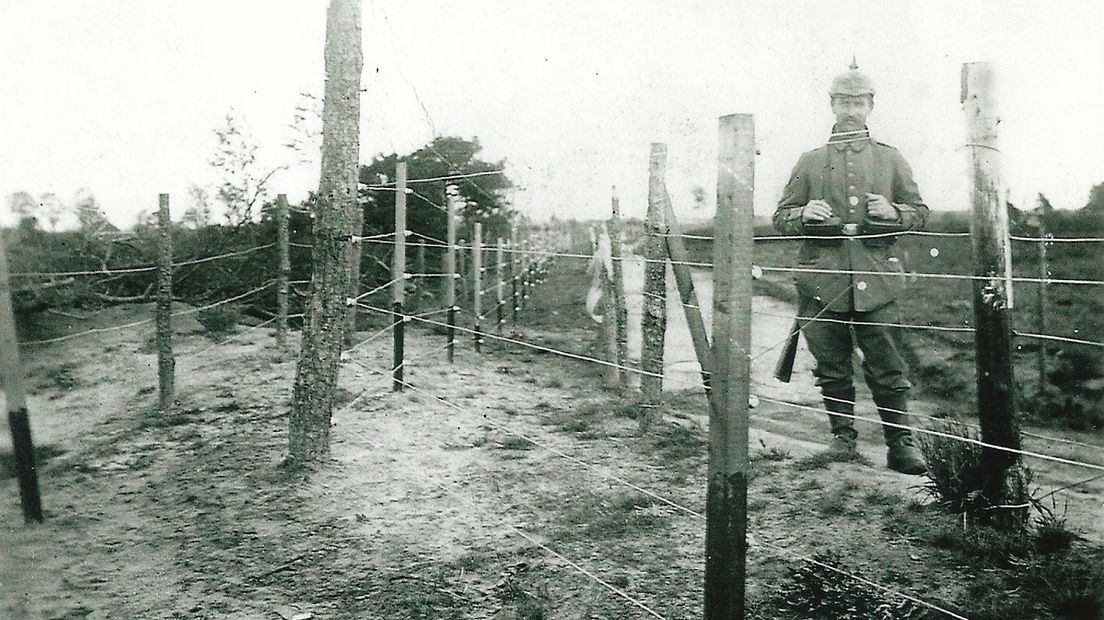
602,259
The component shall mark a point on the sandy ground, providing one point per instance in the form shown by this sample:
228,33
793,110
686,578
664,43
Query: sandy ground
482,491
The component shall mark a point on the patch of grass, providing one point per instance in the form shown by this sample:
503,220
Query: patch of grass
773,453
878,497
983,544
821,460
955,474
556,382
814,592
633,515
514,443
63,376
809,484
42,454
1051,531
678,443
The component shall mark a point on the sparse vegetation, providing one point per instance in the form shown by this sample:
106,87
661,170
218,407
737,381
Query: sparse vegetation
817,593
220,320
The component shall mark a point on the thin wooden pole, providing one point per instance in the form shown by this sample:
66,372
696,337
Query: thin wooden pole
609,319
398,276
1041,309
726,496
19,423
450,271
166,364
477,283
500,286
622,313
654,320
461,271
679,260
1002,482
515,272
283,269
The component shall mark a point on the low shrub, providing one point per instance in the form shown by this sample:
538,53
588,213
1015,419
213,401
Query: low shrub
815,592
220,320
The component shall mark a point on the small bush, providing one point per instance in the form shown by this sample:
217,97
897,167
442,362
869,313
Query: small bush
220,320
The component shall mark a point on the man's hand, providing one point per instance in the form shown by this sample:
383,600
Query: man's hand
816,211
877,206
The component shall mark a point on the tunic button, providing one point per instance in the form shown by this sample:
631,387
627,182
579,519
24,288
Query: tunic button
850,187
850,163
854,200
861,286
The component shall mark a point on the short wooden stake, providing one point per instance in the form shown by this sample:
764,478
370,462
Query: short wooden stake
726,494
1002,476
11,378
450,272
283,269
398,276
654,319
166,364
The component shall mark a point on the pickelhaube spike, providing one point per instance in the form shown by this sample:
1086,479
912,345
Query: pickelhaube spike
854,63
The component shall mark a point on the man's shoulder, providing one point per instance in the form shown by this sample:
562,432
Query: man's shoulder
813,154
884,145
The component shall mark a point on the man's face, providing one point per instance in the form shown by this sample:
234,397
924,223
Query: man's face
851,110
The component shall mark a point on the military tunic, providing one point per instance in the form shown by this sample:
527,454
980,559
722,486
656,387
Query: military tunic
842,174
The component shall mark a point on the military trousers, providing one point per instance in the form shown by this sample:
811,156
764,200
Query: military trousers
832,338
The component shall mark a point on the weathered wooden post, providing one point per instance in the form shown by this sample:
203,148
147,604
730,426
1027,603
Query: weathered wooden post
683,277
283,269
477,283
1002,476
461,271
654,318
450,271
166,364
1041,310
398,276
500,286
11,379
619,285
726,496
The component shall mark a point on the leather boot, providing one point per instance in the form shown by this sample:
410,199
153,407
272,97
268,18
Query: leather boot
902,454
843,428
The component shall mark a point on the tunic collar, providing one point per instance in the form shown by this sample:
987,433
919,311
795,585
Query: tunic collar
849,140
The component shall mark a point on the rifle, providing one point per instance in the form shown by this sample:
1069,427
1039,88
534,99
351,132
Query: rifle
783,370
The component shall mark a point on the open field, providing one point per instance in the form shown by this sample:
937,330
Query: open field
434,510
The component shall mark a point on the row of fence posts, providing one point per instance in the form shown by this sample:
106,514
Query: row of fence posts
522,271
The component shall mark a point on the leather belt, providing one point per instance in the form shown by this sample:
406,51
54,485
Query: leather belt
850,229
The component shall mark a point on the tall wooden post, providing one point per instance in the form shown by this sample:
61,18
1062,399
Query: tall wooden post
398,275
477,282
654,318
500,287
11,379
622,316
1002,482
283,269
450,271
166,364
1041,310
314,390
461,271
726,496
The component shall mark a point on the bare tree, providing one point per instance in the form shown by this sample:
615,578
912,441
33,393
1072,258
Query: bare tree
198,212
320,354
243,181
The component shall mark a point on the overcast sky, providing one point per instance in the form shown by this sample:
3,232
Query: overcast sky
122,96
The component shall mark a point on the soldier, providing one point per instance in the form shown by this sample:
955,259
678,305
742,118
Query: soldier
855,194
